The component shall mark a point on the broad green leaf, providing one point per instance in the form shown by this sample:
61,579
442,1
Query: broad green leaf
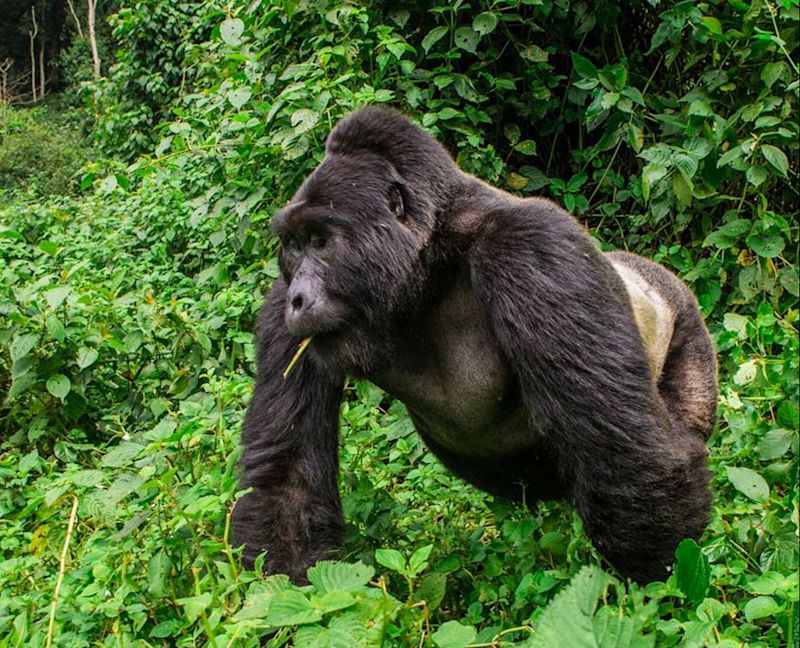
304,119
431,589
770,73
419,559
56,296
737,323
391,558
55,328
749,482
583,66
48,247
291,608
194,606
121,455
467,39
453,634
158,570
614,631
746,373
775,157
756,175
788,415
692,570
59,386
336,600
345,631
760,607
23,345
231,31
567,620
239,96
766,245
526,147
86,357
433,37
327,576
484,23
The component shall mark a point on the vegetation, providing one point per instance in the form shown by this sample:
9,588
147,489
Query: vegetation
128,296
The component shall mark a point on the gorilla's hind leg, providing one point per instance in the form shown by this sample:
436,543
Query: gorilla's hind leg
688,380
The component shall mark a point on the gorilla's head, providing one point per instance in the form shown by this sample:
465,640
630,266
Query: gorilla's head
356,236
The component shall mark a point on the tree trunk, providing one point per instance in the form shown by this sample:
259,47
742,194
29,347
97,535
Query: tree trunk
91,5
32,33
75,18
41,71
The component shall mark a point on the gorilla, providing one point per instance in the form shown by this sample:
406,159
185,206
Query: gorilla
530,362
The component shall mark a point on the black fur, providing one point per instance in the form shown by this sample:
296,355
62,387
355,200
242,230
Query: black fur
509,336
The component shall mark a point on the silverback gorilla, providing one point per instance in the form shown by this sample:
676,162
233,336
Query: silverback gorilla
527,358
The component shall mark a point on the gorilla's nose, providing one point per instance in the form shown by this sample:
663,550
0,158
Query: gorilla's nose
301,312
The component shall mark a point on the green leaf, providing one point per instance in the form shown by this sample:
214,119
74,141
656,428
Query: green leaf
766,245
467,39
419,560
749,482
48,247
756,174
746,373
345,631
760,607
788,415
121,455
453,634
776,158
774,444
158,570
22,345
194,606
391,558
567,620
238,97
614,631
584,67
55,328
304,119
433,37
231,31
770,73
526,147
327,576
291,608
431,589
336,600
86,357
692,570
56,296
59,386
737,323
484,23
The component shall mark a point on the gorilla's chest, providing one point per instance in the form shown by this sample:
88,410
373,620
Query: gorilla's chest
450,373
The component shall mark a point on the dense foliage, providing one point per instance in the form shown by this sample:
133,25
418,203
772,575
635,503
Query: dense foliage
128,296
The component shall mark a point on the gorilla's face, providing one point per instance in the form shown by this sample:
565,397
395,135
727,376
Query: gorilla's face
350,253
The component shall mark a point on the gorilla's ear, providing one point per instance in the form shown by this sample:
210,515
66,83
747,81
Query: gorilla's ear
396,201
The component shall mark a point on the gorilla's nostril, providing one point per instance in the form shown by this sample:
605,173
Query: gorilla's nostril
297,302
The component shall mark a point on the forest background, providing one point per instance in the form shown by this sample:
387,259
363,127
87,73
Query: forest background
140,162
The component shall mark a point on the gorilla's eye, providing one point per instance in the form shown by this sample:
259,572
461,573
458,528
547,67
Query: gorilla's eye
318,242
290,244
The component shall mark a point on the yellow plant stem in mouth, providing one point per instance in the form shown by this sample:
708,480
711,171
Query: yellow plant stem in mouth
297,355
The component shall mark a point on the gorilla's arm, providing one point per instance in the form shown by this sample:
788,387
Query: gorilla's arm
290,456
560,316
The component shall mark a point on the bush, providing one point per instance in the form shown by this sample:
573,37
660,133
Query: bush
40,150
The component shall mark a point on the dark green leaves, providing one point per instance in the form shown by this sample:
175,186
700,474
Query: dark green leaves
692,570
